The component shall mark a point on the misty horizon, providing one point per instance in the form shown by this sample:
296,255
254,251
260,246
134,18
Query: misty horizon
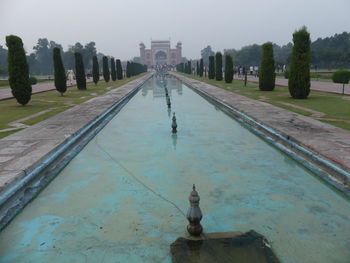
118,27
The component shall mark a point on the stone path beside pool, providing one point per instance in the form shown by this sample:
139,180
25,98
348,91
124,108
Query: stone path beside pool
328,141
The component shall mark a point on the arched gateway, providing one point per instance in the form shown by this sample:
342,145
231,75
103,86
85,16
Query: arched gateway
160,53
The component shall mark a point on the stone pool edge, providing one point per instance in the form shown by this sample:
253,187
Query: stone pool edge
38,153
313,149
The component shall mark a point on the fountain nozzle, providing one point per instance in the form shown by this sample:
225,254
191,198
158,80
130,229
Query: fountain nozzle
194,214
174,124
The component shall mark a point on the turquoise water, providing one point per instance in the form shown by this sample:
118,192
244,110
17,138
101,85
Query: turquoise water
118,199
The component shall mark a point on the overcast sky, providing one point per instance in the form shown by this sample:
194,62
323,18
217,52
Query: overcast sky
118,26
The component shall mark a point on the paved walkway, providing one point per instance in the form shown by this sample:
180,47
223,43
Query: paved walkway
315,85
6,94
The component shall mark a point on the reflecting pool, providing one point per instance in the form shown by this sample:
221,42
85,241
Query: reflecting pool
123,197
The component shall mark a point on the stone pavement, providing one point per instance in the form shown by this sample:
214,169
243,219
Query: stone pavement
6,94
315,85
328,141
22,151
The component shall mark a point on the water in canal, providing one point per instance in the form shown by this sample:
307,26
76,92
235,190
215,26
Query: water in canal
122,198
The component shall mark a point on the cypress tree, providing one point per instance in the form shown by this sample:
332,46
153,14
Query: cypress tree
113,70
128,70
201,68
218,66
228,69
106,74
189,67
299,71
95,70
18,70
211,73
197,68
59,72
80,71
267,73
119,70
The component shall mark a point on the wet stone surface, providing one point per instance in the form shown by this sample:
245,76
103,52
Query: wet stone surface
250,247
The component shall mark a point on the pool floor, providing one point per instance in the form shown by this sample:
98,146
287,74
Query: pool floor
124,196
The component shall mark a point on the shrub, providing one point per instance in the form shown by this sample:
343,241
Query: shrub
59,72
218,66
128,70
286,74
80,71
106,74
18,70
211,73
33,80
119,69
95,70
299,70
189,67
113,70
341,76
228,69
267,74
201,68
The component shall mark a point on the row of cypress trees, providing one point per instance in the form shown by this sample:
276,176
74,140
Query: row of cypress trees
299,72
299,69
19,70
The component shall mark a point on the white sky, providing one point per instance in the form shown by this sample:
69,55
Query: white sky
118,26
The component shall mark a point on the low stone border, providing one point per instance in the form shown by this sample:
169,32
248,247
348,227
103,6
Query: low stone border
29,159
320,147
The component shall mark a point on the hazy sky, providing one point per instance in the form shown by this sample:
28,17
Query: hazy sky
118,26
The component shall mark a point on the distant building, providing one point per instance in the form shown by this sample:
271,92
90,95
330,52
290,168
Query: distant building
160,53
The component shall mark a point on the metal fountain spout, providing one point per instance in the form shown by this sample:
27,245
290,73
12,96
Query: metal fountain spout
168,101
174,124
194,214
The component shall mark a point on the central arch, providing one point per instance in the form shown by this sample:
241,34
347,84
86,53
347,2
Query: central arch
160,55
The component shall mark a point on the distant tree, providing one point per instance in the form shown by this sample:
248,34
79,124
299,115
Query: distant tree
228,69
218,66
201,68
80,71
185,67
189,67
88,52
267,73
119,70
59,72
113,70
3,57
18,70
128,70
206,53
341,76
106,74
299,70
211,73
197,68
95,70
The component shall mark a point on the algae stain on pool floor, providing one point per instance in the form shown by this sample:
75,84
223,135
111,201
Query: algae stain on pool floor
100,208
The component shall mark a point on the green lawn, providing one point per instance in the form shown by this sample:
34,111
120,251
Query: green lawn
334,106
12,111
